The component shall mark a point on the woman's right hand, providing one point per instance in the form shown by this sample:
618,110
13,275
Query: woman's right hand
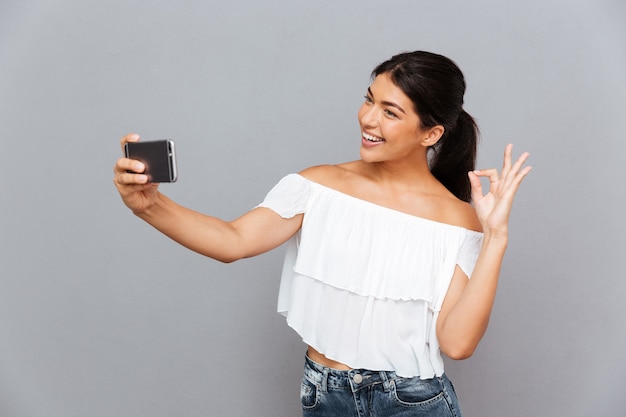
136,192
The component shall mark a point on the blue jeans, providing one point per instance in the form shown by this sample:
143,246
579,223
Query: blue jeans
327,392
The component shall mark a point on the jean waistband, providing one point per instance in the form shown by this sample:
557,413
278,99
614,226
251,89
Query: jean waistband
354,379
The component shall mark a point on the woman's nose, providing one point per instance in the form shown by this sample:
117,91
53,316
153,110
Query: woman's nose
367,116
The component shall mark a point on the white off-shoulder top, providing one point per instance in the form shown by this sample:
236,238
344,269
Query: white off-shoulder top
363,284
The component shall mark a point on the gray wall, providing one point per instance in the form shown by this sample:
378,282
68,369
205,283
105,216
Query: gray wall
101,316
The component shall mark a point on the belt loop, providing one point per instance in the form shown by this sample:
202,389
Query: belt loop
325,379
385,379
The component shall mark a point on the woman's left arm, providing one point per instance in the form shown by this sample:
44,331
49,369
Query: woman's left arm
465,312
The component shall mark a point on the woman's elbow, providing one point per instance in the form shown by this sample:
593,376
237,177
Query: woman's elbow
459,355
459,351
227,258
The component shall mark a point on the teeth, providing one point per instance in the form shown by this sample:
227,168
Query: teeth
372,138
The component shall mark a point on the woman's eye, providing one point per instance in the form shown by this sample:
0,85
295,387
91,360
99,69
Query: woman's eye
390,113
367,99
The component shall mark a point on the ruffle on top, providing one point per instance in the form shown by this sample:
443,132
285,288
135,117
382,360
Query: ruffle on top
363,284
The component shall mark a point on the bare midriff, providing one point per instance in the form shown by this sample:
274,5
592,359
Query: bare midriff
315,356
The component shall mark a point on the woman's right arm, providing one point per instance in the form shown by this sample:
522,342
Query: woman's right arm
256,232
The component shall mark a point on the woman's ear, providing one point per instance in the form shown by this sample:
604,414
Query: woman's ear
433,135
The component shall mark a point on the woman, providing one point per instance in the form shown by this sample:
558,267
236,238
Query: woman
381,250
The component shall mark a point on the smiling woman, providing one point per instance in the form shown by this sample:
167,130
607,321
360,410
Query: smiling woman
380,249
432,86
389,131
100,316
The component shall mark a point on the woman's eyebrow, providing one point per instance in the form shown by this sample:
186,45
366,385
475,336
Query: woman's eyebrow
386,103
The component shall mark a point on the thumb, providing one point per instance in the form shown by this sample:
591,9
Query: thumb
476,186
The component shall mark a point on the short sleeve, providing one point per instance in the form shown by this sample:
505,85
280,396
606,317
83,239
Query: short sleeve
289,197
468,252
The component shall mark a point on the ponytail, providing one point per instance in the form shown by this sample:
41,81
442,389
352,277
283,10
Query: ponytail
454,156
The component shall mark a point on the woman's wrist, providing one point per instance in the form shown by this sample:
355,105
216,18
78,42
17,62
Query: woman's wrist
496,238
151,210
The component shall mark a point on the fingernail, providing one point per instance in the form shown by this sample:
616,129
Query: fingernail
142,179
139,167
134,137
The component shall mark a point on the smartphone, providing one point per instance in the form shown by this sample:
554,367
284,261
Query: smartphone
159,157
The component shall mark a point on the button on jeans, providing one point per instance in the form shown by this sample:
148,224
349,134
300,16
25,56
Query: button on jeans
327,392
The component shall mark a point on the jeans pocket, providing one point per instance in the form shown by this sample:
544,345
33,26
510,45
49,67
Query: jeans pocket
416,392
308,394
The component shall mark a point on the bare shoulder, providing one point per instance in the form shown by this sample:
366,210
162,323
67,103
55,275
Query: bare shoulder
464,215
437,203
329,175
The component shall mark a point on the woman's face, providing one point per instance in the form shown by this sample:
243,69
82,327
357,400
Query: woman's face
390,127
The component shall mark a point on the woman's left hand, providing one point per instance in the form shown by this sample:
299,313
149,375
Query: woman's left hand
493,209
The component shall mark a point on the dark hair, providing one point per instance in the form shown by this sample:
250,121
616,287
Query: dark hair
436,86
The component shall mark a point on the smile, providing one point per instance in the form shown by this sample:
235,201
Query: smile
371,138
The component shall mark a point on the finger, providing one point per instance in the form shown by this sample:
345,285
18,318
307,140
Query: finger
131,137
512,173
506,160
132,165
128,172
520,176
476,189
490,173
129,179
520,161
516,180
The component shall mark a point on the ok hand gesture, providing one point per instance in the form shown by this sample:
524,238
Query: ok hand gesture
493,209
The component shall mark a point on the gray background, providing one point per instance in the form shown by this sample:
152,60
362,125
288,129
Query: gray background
101,316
